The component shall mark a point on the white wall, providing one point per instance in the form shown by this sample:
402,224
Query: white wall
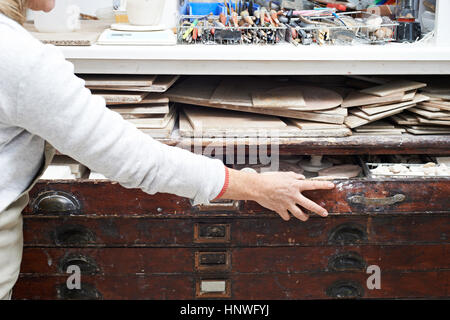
89,6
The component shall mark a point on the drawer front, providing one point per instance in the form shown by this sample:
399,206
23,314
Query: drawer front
133,287
108,261
130,261
80,231
366,196
351,197
341,230
430,284
340,259
100,198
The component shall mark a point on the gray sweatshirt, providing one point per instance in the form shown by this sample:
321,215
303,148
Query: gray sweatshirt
41,99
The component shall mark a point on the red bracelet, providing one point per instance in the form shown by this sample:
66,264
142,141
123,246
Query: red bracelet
225,185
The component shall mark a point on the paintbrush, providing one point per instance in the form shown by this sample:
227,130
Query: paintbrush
274,17
251,11
225,2
234,18
262,15
223,19
246,17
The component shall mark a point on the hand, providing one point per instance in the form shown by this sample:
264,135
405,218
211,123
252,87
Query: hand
277,191
282,193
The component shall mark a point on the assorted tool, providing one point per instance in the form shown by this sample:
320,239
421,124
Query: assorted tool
248,23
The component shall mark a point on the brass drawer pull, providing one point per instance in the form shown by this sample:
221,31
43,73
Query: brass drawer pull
347,233
347,261
212,261
211,233
53,202
87,292
343,289
213,288
219,205
377,201
87,265
73,235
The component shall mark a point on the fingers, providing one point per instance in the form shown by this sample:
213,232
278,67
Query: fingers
298,213
312,206
284,215
314,185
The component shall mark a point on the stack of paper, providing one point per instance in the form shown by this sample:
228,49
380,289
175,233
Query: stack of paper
64,168
138,99
428,117
318,107
381,101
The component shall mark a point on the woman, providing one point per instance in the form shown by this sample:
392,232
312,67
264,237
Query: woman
42,100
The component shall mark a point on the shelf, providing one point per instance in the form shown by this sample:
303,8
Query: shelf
282,59
356,144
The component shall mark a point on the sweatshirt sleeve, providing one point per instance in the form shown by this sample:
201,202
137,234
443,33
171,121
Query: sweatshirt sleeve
54,104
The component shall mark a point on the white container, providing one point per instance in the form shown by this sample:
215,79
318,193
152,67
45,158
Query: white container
428,18
65,17
145,12
171,14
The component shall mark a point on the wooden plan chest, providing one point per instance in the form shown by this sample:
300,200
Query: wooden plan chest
130,245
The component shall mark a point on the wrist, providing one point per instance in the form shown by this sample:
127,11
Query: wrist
225,184
254,191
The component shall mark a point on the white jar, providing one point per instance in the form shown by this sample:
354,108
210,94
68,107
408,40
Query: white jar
65,17
170,14
145,12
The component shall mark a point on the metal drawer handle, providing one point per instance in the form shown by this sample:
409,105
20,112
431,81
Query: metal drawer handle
73,235
51,202
348,261
220,205
377,201
345,289
211,232
212,258
347,233
87,265
212,261
213,288
87,292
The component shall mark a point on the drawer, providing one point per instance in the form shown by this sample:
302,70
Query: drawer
109,261
355,196
340,259
340,230
132,287
147,261
91,197
403,285
85,231
431,284
368,196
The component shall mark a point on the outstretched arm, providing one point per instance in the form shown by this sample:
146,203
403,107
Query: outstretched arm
54,104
